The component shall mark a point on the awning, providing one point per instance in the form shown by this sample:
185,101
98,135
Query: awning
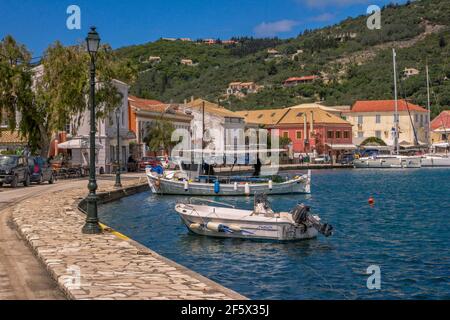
441,145
342,146
77,144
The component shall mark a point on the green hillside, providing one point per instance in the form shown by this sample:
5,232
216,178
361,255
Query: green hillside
353,61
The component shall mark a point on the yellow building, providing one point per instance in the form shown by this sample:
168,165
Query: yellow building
377,119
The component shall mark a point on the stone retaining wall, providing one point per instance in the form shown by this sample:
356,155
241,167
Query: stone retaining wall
107,266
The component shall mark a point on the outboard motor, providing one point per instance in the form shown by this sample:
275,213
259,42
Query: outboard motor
302,216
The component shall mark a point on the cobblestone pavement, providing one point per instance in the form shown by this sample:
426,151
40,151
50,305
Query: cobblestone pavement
107,266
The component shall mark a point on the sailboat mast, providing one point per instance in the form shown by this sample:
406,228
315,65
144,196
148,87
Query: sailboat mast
396,116
203,131
429,107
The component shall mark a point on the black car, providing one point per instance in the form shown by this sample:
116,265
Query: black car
14,170
40,170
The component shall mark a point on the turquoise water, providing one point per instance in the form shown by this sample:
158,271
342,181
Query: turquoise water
406,233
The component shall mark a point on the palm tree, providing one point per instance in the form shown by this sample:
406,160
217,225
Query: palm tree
159,136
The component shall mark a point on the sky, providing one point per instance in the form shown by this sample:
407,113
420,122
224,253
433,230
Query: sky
38,23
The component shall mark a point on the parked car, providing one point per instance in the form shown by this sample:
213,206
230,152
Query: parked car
14,170
148,161
40,170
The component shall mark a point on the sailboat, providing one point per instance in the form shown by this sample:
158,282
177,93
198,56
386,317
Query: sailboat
394,160
433,159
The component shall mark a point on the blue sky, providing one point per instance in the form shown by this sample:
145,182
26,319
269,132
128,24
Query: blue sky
38,23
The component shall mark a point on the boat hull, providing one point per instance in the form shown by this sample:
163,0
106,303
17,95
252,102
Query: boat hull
162,186
388,163
435,161
256,228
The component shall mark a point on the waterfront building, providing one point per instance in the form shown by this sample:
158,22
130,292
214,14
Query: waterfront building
106,143
222,126
376,118
143,112
440,130
310,127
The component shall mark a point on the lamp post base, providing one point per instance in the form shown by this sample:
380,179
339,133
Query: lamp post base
92,228
92,225
118,182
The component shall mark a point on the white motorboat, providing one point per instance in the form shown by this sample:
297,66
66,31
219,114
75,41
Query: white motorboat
388,161
261,223
179,183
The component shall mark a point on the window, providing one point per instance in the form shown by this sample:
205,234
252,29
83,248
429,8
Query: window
330,134
123,119
396,118
360,119
416,117
338,134
360,134
299,135
346,134
378,118
286,134
378,134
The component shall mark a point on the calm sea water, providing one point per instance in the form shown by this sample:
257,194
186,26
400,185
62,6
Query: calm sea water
406,234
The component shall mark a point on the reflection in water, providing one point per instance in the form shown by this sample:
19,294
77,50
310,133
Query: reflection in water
406,233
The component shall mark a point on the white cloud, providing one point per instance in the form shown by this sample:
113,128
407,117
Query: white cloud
271,29
324,3
324,17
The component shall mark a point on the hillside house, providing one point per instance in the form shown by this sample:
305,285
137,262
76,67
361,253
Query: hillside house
294,81
187,62
409,72
241,89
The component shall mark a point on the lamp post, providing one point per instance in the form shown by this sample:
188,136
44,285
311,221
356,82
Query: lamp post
92,225
118,181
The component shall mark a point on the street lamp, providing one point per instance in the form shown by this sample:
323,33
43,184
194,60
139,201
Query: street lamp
92,224
118,182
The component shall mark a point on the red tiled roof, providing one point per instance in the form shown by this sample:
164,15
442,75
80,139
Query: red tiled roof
305,78
442,121
385,106
155,106
143,103
11,138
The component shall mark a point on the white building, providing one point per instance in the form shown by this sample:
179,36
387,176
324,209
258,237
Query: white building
106,137
224,129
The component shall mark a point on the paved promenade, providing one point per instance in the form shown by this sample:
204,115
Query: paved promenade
104,267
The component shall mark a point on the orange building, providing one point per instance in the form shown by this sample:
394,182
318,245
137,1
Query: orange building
143,112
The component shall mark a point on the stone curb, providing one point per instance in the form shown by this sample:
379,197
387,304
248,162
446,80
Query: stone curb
112,266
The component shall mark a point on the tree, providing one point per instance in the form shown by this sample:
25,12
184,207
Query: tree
159,136
373,141
60,89
15,80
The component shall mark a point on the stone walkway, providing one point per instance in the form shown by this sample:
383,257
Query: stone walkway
107,266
